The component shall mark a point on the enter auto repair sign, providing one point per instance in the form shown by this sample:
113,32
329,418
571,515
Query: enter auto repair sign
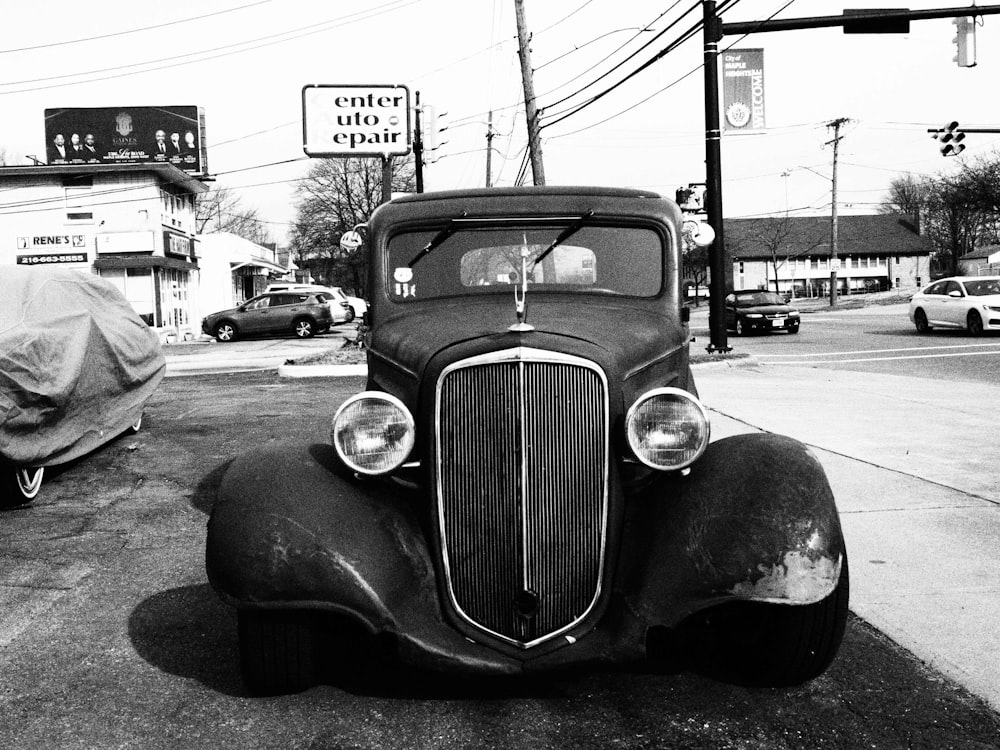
354,120
743,89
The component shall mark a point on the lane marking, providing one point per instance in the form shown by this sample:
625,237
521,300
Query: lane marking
886,351
885,359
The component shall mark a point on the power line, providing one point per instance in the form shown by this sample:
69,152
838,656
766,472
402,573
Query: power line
133,31
204,55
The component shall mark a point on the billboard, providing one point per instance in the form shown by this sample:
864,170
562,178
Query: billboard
127,135
743,89
353,120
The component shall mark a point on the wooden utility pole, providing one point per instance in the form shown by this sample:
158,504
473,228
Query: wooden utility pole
834,258
530,110
489,150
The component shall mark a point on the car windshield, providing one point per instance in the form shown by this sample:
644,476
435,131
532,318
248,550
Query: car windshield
484,260
758,298
983,287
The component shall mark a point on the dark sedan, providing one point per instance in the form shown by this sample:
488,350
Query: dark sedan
756,310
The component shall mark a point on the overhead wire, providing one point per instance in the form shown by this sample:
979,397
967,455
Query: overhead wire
205,55
138,30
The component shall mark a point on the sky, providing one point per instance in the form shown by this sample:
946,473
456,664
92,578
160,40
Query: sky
245,63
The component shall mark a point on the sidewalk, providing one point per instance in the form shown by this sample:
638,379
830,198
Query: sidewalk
915,478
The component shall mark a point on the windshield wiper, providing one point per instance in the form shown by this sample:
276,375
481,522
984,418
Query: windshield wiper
564,235
436,240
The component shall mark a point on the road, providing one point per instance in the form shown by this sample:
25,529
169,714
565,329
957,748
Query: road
878,339
111,637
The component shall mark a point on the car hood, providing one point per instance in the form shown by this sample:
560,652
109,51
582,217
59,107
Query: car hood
765,309
622,338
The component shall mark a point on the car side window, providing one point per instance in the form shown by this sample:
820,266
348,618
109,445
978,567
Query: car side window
952,286
937,288
259,304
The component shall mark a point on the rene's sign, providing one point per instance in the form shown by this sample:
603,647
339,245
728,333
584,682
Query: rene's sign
354,120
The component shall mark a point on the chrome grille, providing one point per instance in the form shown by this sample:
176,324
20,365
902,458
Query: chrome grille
522,440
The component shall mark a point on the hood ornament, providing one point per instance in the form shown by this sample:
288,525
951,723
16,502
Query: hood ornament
520,300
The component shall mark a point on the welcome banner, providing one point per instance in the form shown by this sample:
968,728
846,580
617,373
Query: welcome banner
743,89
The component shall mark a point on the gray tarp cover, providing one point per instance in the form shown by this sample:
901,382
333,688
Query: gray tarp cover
77,364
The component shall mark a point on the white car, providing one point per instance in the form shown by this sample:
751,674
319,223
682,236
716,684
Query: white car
969,302
340,306
359,306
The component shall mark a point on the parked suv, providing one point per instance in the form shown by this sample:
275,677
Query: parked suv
340,306
527,482
303,313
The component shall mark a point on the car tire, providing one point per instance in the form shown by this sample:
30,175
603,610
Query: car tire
225,332
741,328
20,485
279,650
920,321
136,426
974,323
794,328
304,328
779,645
350,315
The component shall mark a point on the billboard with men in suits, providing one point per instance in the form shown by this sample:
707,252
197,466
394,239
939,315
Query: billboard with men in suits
127,135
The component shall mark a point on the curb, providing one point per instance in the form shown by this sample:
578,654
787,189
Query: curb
738,362
322,371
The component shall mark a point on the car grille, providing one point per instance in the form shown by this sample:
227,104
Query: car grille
522,442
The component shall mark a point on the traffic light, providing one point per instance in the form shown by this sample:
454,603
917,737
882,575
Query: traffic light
951,139
965,41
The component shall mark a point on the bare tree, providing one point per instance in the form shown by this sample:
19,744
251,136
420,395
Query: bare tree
777,236
335,196
221,210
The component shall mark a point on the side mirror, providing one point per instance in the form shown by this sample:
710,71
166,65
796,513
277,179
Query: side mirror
956,294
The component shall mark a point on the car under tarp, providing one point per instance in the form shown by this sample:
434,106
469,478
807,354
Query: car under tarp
77,364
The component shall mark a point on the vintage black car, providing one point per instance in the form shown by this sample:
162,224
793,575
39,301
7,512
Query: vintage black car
527,482
759,311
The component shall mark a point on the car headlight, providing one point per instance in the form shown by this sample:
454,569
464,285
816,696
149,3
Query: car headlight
793,313
373,432
753,315
667,429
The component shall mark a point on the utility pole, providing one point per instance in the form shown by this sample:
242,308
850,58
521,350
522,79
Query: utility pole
418,147
719,261
530,110
834,259
489,150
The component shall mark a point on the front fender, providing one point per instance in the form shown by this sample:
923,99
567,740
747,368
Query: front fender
294,528
755,520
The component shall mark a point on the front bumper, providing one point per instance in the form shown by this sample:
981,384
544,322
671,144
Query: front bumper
771,324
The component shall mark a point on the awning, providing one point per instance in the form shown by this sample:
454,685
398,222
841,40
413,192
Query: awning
144,261
258,263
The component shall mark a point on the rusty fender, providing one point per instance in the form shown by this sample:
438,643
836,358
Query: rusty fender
293,528
755,519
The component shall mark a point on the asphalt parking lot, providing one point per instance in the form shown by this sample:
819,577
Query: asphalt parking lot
111,637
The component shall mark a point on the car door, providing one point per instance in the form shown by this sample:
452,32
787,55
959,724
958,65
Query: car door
953,308
730,311
255,315
284,309
932,303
